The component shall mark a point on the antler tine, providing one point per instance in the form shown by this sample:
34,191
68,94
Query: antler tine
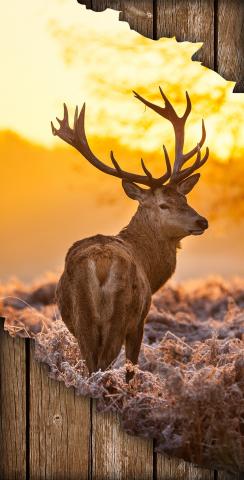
188,107
168,173
76,116
64,132
166,112
157,182
188,171
149,175
115,163
179,176
65,121
192,152
169,111
66,115
170,108
54,130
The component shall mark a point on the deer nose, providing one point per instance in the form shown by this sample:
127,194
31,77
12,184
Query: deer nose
202,223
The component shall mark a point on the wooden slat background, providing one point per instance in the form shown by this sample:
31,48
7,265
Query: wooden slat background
230,47
59,428
13,456
46,431
116,455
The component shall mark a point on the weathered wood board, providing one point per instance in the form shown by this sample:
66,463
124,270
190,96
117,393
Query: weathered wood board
174,469
139,14
60,429
191,21
12,407
230,41
230,476
115,454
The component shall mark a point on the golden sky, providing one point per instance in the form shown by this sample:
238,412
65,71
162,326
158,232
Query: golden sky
59,51
56,51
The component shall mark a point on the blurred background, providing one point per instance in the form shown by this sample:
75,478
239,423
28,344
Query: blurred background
50,195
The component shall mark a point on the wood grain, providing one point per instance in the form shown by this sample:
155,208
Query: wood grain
100,5
12,407
230,476
230,32
59,428
87,3
117,455
138,13
188,20
175,469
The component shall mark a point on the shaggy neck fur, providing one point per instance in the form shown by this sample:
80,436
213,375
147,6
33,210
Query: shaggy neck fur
155,251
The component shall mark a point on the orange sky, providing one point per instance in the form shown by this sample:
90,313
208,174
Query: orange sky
62,52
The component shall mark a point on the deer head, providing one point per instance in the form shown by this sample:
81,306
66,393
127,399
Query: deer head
164,203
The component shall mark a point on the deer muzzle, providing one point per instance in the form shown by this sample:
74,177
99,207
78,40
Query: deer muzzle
201,226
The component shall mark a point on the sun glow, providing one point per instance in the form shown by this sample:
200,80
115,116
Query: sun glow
65,52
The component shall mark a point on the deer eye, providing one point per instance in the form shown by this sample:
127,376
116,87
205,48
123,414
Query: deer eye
163,206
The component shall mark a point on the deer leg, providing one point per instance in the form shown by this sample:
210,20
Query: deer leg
89,341
88,356
132,347
111,346
65,308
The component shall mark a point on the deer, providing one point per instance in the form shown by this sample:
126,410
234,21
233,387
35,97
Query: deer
104,293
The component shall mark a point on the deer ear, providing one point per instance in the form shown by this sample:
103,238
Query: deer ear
133,191
187,185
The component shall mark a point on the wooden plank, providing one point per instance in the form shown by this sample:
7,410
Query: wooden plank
230,32
138,13
230,476
12,407
188,20
59,428
100,5
176,469
87,3
115,454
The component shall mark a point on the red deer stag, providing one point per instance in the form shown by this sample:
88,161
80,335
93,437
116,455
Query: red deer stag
104,293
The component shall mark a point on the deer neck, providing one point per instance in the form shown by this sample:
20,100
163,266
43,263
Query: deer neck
152,248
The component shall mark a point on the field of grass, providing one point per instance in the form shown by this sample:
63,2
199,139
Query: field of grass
188,390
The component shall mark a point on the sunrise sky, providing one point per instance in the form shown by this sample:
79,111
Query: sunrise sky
58,51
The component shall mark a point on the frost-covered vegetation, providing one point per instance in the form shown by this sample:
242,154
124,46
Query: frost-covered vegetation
188,389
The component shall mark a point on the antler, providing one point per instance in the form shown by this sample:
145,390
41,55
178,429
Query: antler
178,123
76,137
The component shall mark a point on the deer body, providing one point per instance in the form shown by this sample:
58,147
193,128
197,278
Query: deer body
104,297
104,293
107,283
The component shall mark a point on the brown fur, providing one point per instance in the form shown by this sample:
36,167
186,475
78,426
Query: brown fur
104,293
103,265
